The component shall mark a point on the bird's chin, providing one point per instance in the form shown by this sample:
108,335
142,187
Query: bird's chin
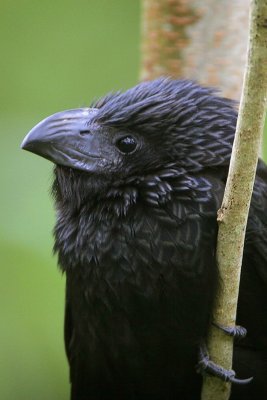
76,188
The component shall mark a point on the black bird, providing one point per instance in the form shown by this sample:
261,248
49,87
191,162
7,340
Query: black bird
139,178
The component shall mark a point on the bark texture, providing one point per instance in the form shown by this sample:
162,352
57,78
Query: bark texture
199,40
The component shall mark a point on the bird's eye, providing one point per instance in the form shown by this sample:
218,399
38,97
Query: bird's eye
127,144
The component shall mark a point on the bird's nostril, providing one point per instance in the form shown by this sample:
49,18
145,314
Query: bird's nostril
85,132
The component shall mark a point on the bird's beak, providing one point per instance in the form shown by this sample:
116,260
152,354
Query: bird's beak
66,138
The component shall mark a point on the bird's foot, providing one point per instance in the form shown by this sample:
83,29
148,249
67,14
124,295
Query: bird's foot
206,366
237,331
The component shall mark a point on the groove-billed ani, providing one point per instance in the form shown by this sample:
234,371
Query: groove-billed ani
138,182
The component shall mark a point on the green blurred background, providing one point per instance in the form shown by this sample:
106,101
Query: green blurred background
54,56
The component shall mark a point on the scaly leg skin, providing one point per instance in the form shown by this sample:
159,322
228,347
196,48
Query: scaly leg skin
206,366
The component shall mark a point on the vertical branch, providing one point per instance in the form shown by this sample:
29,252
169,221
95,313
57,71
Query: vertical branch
232,216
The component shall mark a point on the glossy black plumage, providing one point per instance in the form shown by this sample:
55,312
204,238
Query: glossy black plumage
137,238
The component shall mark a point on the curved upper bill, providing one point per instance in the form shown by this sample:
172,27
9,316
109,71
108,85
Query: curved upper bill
66,138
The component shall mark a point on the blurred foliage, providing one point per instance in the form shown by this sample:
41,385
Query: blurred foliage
54,56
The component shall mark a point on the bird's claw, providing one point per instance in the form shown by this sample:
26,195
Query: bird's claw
206,366
237,331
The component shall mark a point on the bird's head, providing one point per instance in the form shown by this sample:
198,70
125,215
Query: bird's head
137,132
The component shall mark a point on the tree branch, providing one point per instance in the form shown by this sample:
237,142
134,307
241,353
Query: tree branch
232,216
